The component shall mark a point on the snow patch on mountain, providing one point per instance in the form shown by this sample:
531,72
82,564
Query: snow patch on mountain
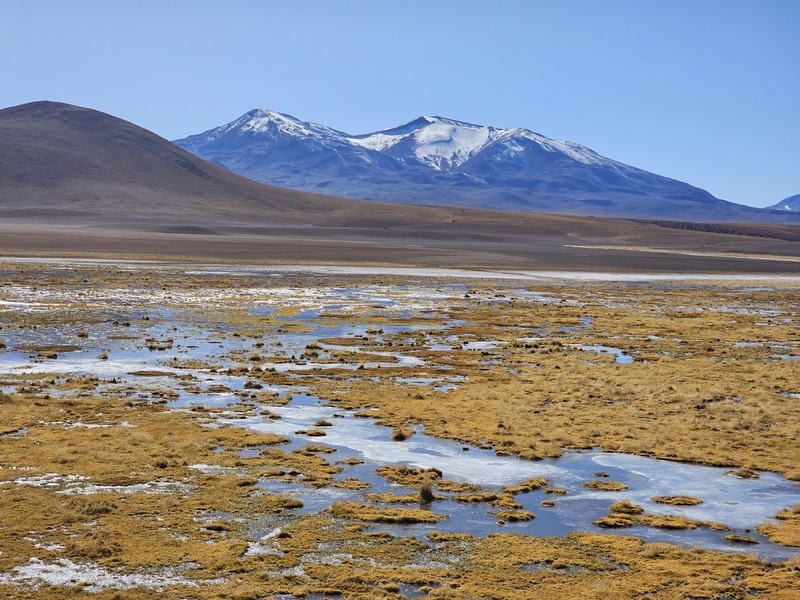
444,144
438,143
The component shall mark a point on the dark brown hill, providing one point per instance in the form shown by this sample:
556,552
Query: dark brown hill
75,180
72,160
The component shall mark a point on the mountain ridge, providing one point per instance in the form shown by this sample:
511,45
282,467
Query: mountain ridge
443,161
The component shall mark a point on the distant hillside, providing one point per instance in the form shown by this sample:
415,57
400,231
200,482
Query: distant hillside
60,159
433,160
790,204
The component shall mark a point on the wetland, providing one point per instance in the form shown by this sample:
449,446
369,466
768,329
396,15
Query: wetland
277,432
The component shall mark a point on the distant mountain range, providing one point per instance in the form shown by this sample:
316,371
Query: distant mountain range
439,161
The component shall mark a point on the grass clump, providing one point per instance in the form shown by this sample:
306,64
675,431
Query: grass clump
740,539
408,476
372,514
93,546
677,500
389,498
787,531
401,434
614,521
426,491
606,486
446,536
526,486
506,501
626,507
476,498
666,521
744,473
515,516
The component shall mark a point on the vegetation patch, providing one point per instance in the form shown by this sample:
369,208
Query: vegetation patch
740,539
515,516
365,512
787,530
626,507
677,500
606,485
614,521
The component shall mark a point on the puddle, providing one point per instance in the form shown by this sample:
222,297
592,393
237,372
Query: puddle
619,356
741,504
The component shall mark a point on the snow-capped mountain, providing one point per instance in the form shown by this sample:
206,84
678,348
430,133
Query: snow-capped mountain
434,160
790,204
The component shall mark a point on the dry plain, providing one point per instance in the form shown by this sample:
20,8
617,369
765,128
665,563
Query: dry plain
151,446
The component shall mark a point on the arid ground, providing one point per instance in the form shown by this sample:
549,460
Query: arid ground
183,430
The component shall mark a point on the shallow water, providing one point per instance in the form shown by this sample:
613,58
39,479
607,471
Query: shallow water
619,355
741,504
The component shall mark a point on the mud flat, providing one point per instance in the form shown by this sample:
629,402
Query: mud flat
249,432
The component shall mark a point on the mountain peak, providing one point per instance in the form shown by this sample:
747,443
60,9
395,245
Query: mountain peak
435,120
261,119
266,123
436,142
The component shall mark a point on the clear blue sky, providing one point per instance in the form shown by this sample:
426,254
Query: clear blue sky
705,91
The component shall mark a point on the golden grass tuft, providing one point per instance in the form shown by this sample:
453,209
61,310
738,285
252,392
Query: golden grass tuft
476,498
614,521
93,546
740,539
442,536
389,498
677,500
426,491
605,485
364,512
408,476
666,521
626,507
515,516
401,434
744,473
787,530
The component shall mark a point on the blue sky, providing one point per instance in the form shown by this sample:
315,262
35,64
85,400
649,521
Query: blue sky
705,91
